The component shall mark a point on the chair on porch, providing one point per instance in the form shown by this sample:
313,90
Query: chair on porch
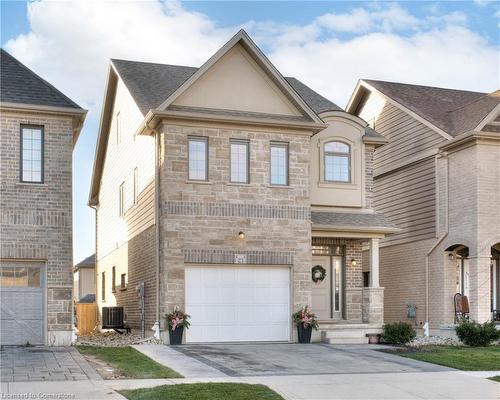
461,307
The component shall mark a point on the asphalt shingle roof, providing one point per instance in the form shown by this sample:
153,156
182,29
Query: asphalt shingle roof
453,111
372,220
90,260
151,84
18,84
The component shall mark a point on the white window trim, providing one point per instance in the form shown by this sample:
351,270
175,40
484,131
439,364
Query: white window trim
199,139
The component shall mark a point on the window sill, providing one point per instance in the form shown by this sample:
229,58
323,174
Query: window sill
199,182
31,184
113,291
279,186
344,185
238,184
123,289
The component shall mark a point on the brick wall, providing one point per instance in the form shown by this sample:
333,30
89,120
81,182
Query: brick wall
275,220
36,219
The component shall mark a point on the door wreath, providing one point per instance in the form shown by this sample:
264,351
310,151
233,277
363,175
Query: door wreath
318,273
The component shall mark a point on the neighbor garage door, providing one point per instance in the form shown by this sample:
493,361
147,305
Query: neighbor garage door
22,310
230,304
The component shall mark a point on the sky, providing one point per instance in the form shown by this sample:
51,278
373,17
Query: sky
328,45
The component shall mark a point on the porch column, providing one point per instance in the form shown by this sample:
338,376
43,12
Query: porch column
480,288
373,296
374,263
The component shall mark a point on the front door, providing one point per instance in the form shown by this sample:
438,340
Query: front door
327,293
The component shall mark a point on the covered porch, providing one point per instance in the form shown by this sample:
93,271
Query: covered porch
346,297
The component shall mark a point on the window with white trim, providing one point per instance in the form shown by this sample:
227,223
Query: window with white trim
198,158
279,164
239,161
136,183
32,154
337,162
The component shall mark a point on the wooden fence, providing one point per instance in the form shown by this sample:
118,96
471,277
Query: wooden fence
85,318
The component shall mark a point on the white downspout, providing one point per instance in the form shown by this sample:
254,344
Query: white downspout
156,326
440,239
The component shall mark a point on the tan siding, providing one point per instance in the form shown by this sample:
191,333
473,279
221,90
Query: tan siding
407,197
404,191
120,162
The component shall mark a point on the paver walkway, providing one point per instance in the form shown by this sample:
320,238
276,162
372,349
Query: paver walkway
31,364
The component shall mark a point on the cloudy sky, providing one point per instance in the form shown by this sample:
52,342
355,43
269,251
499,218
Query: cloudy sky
328,45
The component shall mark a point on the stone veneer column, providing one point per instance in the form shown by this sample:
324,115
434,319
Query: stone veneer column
479,289
373,296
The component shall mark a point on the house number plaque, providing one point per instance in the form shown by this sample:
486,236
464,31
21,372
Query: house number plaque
240,258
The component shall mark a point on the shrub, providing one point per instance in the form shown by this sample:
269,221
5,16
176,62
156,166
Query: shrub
472,333
398,333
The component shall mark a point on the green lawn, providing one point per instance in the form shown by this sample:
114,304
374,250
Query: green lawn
464,358
130,362
204,391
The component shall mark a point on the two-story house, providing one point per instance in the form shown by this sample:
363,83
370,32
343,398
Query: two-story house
237,195
438,179
38,129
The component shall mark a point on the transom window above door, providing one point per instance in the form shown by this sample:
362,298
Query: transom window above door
337,162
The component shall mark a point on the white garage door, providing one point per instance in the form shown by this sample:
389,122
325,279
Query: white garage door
230,304
22,310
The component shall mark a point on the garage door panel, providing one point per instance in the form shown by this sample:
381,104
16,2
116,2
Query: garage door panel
242,304
22,303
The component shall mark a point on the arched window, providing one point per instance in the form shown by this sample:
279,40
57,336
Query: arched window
337,161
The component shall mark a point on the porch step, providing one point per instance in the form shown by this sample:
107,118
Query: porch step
346,340
345,333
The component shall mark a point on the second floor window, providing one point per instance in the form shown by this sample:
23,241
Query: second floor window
337,162
121,199
239,161
32,154
103,286
279,164
198,158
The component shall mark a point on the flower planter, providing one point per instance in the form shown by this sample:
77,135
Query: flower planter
373,338
304,333
176,335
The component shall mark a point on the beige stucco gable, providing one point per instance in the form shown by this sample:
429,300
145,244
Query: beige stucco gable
235,73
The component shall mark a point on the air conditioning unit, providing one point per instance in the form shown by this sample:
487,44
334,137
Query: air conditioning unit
112,318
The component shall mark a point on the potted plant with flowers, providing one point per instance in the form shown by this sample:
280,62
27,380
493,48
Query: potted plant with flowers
306,321
177,321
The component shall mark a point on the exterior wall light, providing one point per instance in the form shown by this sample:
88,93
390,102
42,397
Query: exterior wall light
241,235
354,262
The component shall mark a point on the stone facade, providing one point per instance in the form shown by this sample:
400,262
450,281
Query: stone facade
200,222
36,219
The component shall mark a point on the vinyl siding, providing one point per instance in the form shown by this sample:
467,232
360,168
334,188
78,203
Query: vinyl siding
404,182
120,162
127,242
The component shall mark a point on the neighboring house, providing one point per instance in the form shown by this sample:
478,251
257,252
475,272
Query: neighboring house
221,187
438,179
38,129
84,278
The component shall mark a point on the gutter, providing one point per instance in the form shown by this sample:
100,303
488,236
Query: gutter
439,240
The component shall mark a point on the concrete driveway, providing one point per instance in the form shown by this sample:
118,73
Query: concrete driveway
273,359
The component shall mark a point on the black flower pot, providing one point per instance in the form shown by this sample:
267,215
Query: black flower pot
176,335
304,333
